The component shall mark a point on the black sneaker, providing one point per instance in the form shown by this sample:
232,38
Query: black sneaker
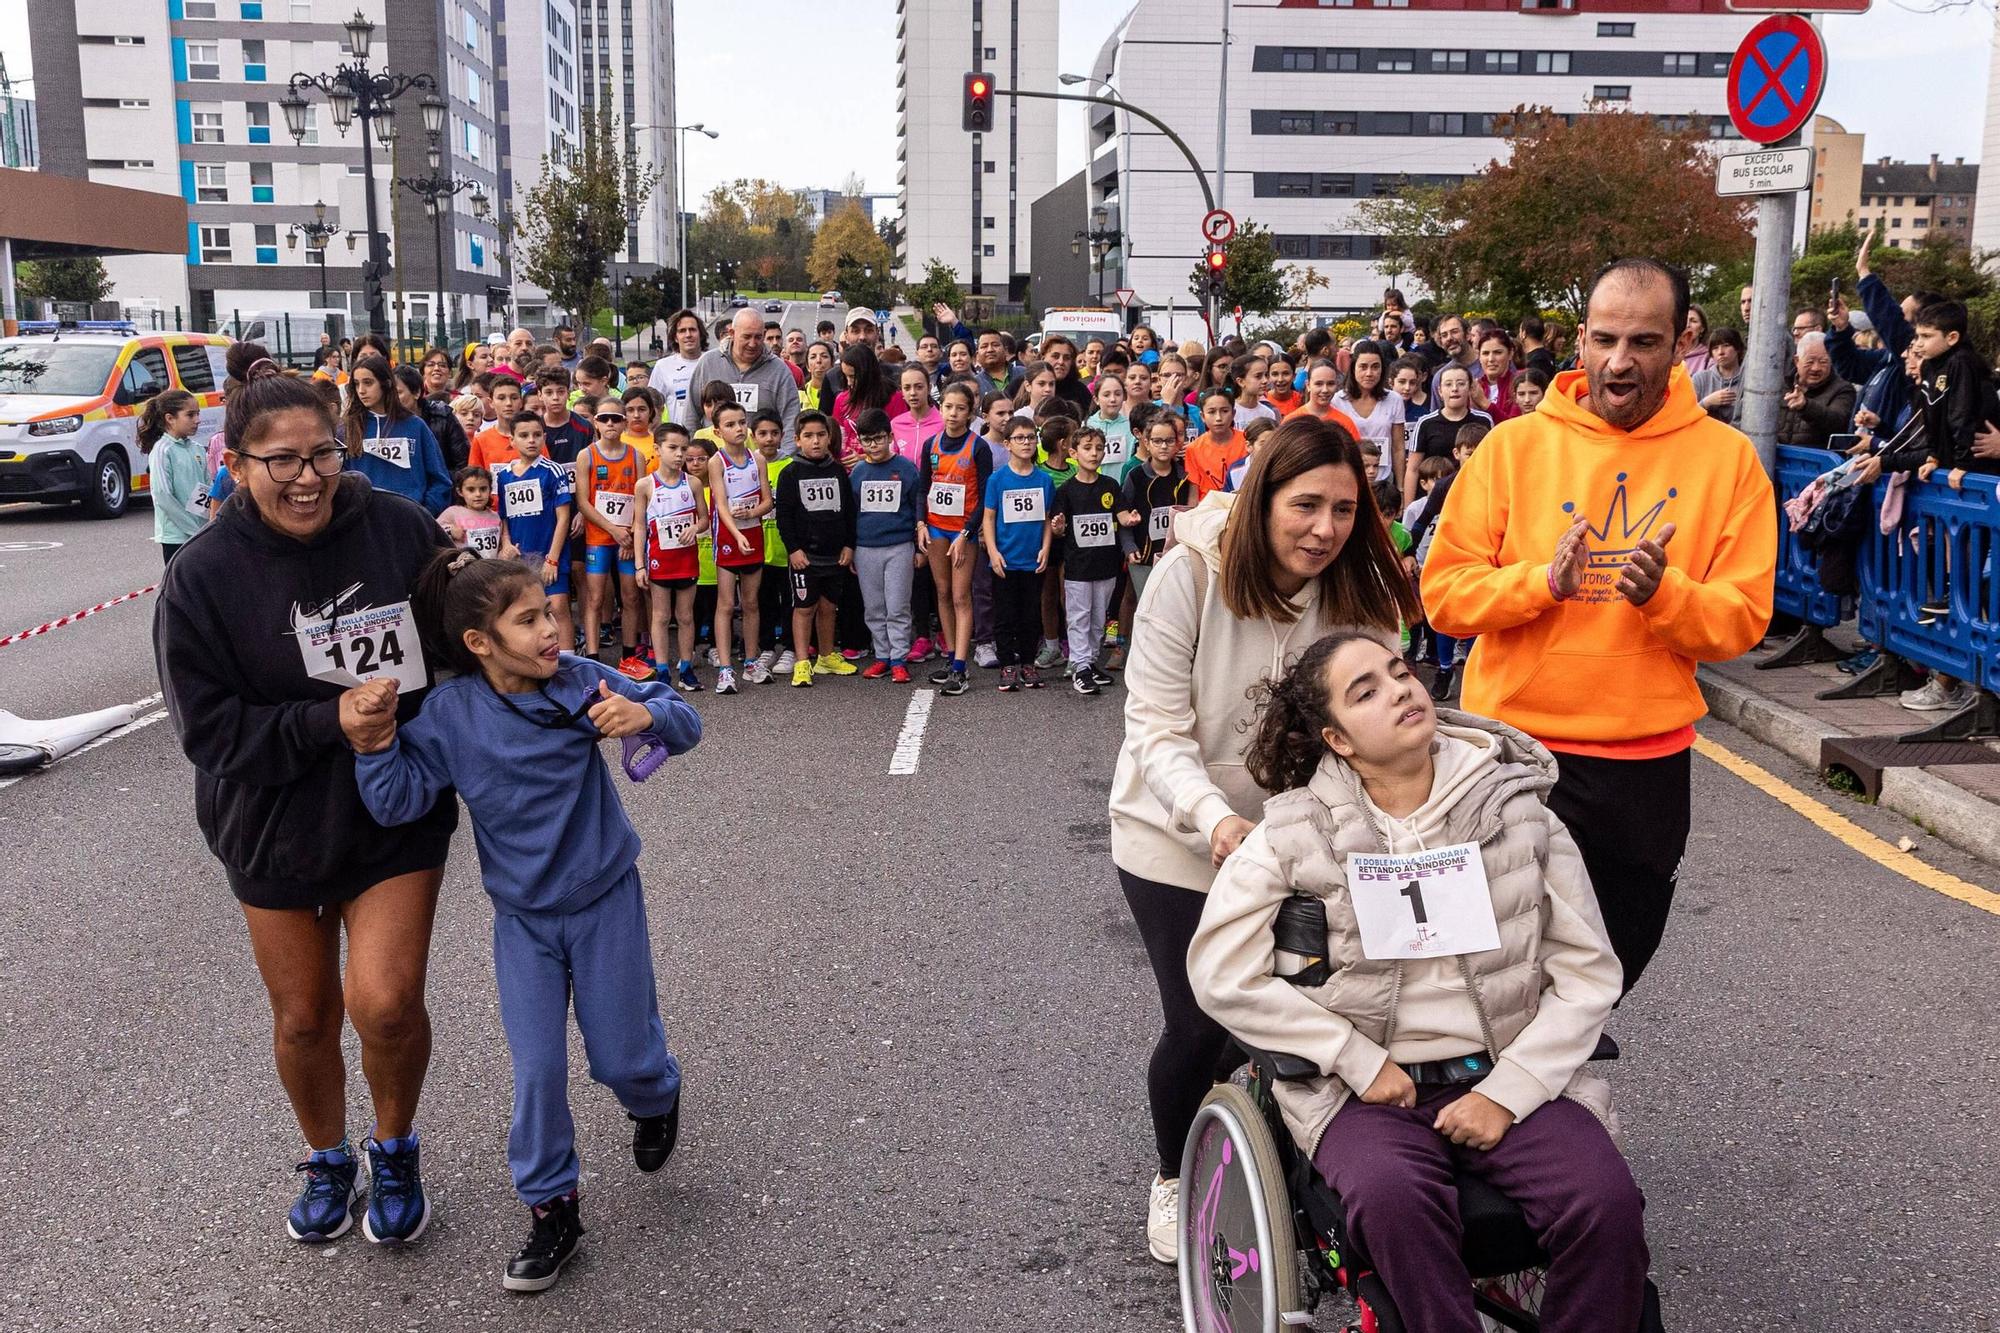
1031,677
1103,681
1933,611
557,1230
954,683
1441,685
1010,680
653,1138
942,676
1083,682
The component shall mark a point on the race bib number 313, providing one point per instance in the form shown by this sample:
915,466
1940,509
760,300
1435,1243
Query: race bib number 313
362,645
1431,904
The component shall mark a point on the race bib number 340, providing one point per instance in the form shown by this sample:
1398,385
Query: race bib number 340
1431,904
362,645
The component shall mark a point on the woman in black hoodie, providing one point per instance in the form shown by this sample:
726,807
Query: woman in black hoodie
273,618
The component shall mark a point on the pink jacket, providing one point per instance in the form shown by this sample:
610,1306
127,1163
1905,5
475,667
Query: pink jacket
911,432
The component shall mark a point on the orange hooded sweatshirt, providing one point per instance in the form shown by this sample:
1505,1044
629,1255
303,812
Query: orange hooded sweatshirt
1595,674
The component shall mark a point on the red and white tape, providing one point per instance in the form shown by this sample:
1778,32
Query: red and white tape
75,616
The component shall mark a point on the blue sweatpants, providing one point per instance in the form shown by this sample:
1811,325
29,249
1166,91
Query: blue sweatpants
603,957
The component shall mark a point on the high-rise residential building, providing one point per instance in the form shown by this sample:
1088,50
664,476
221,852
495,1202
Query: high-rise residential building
183,97
19,147
1837,160
1324,103
539,116
1986,218
966,198
626,51
825,203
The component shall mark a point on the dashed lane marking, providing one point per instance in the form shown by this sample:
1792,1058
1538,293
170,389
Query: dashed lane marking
1848,832
910,741
139,723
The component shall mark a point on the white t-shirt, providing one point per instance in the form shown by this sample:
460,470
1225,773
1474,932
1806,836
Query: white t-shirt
1388,414
671,375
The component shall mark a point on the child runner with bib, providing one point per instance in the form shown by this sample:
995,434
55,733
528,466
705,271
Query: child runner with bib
607,477
517,735
774,592
1153,491
1457,979
741,499
676,510
1019,499
535,505
815,505
953,480
887,495
472,523
1091,560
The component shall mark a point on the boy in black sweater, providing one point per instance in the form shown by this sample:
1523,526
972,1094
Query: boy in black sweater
1955,394
816,512
1091,560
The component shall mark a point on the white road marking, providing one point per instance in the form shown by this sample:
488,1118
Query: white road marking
910,743
117,733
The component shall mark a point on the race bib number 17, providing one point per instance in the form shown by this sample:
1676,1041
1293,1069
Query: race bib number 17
362,645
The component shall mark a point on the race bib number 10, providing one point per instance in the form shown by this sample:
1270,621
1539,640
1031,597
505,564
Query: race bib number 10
362,645
1431,904
1159,522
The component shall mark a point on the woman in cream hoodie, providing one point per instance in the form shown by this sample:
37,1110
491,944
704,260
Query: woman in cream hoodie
1254,579
1452,1006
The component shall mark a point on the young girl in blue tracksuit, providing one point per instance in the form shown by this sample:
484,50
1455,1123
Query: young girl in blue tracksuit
517,734
394,449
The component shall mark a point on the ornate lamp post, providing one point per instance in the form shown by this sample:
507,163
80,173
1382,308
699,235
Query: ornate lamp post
353,92
1101,238
317,233
437,191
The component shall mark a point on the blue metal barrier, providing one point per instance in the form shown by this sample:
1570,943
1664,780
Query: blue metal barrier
1947,539
1798,592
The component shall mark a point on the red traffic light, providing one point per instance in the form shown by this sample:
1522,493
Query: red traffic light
978,113
977,88
1217,261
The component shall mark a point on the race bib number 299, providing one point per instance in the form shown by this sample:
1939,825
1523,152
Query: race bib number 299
359,646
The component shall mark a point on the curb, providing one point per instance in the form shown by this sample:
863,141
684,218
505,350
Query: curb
1968,822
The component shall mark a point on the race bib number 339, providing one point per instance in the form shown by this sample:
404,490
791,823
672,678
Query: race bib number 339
359,646
1431,904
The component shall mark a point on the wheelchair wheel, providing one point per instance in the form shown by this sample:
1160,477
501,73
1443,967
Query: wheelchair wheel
1239,1253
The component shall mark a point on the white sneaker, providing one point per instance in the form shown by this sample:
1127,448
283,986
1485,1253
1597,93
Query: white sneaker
767,660
709,657
1163,1221
1931,697
757,673
785,662
985,655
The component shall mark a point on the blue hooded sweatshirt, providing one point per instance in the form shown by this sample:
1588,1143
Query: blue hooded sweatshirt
424,480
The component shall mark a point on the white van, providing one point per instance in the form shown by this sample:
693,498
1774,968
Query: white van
289,335
1081,323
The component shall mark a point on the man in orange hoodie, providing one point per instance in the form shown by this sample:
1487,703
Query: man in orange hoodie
1599,548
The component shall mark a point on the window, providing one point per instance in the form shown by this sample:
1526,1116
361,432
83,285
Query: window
1333,247
1503,62
258,114
128,41
986,223
198,9
1293,185
1616,29
1445,122
1453,62
145,375
1293,57
1551,62
1611,92
311,136
266,235
134,103
207,125
197,374
1340,186
1899,201
991,53
1920,223
471,30
302,11
211,183
253,62
987,166
1395,62
1895,222
1684,63
204,61
253,11
471,141
263,189
1385,187
1344,62
213,244
987,252
472,87
1291,247
1392,122
1295,122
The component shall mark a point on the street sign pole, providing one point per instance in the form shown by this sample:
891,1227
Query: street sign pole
1770,330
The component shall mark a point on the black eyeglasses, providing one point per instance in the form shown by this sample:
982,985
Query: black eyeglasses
285,468
607,417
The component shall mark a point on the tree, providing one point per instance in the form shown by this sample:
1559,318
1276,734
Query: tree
1252,277
1575,193
1939,263
63,280
940,284
758,230
847,238
573,221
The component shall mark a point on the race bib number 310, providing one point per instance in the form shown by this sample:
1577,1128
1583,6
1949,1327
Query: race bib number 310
362,645
821,495
1431,904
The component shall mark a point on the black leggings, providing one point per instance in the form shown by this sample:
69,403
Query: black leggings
1017,618
1630,819
1185,1057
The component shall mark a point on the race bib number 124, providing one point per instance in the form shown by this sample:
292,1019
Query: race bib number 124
359,646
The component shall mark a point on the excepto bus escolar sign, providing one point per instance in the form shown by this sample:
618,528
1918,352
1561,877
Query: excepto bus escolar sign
1773,171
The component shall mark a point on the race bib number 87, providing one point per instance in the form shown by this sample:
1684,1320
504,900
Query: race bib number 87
362,645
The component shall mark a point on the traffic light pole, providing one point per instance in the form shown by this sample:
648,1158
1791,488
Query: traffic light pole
1194,165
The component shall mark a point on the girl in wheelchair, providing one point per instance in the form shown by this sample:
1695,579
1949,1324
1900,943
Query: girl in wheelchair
1465,980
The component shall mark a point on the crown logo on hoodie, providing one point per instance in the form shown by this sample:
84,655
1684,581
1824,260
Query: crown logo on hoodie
1618,536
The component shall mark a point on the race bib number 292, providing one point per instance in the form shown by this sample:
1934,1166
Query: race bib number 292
359,646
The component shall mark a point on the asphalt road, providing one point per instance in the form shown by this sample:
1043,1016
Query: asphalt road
914,1016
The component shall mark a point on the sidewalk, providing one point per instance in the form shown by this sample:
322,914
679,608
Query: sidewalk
1958,802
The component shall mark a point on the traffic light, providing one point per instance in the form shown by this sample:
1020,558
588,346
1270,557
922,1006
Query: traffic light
1218,264
978,103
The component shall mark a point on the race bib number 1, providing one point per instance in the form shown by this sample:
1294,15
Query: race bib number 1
358,647
1431,904
391,449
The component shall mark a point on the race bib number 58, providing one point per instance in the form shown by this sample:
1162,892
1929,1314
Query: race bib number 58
362,645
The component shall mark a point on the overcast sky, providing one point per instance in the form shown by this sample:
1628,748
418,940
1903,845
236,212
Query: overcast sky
804,91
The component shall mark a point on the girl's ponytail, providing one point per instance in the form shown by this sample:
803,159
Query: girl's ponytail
457,591
1286,746
153,420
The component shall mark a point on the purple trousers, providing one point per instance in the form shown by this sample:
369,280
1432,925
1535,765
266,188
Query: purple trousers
1395,1174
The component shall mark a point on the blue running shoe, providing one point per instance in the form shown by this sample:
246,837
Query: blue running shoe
398,1209
324,1209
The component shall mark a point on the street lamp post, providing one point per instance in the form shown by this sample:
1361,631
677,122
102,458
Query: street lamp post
317,233
681,201
437,191
1101,237
353,91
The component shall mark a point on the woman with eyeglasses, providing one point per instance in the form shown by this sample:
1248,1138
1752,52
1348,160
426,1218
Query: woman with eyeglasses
262,680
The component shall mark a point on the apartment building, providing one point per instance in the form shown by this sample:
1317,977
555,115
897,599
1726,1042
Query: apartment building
626,54
966,198
539,119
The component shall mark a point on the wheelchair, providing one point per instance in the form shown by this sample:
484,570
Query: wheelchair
1263,1237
